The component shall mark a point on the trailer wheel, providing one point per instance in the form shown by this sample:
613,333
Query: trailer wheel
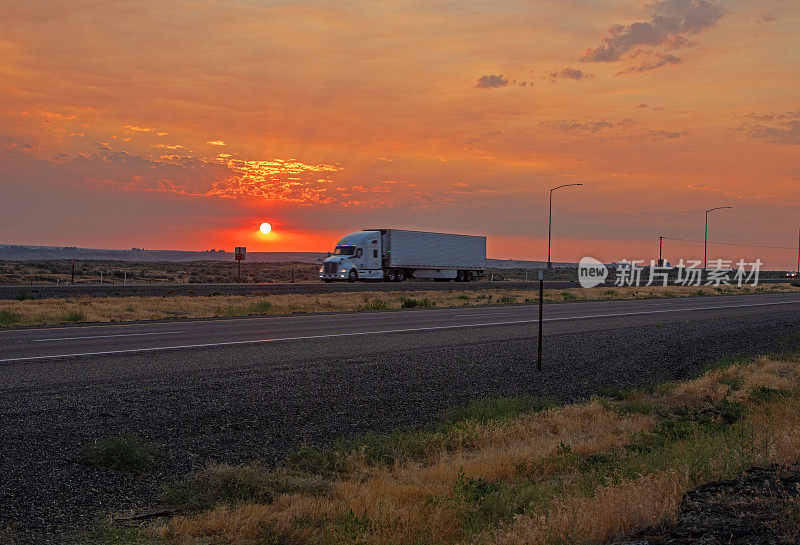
461,276
400,276
391,276
353,276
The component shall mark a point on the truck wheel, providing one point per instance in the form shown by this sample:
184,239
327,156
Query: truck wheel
468,276
400,276
461,276
353,276
391,276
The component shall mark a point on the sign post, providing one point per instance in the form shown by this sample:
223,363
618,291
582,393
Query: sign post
240,252
541,306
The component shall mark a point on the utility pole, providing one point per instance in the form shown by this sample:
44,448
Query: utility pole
798,252
550,223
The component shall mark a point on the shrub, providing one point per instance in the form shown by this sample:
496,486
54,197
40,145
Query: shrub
235,484
375,304
259,307
409,302
126,453
8,317
74,316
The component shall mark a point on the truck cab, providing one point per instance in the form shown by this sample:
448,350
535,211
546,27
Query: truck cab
357,256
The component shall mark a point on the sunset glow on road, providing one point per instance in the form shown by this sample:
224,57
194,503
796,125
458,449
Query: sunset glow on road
183,125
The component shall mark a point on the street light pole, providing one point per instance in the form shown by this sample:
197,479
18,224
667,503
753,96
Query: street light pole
550,223
705,240
660,247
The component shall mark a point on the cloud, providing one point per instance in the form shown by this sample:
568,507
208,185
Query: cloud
777,128
216,142
666,135
586,127
570,73
166,146
651,61
785,133
134,128
491,81
669,20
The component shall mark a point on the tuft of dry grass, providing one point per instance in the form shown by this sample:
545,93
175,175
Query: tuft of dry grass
124,309
615,510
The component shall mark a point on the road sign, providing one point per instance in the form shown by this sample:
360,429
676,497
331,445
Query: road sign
240,253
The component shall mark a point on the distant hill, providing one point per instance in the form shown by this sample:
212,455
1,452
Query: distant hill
20,252
519,264
26,252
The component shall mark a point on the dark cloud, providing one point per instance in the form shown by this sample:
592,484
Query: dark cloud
570,73
784,133
650,61
778,128
666,135
669,20
491,81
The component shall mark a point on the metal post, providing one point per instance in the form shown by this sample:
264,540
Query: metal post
550,223
798,252
125,278
541,307
73,271
549,230
705,246
660,247
292,275
705,240
101,277
239,274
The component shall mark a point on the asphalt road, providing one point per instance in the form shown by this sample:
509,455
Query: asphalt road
233,391
103,340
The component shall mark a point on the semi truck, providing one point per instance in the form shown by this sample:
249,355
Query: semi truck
394,255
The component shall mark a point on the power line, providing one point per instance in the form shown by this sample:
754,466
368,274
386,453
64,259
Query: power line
735,244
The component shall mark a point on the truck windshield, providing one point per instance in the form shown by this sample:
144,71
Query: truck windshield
344,250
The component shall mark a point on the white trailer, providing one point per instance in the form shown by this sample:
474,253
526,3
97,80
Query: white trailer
394,255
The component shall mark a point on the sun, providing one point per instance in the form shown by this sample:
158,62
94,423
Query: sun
265,228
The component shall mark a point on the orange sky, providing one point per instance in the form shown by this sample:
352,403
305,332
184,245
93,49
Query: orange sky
186,124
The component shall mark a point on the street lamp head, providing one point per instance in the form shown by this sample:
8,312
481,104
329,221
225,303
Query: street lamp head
565,185
717,208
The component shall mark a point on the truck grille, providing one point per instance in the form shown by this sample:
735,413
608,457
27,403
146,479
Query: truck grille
329,268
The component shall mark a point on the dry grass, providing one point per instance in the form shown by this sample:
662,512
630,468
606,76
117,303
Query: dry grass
582,474
122,309
615,510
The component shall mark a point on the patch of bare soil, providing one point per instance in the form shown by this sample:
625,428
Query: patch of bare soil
761,506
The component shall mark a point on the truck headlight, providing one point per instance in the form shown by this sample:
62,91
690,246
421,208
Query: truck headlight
321,269
343,270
